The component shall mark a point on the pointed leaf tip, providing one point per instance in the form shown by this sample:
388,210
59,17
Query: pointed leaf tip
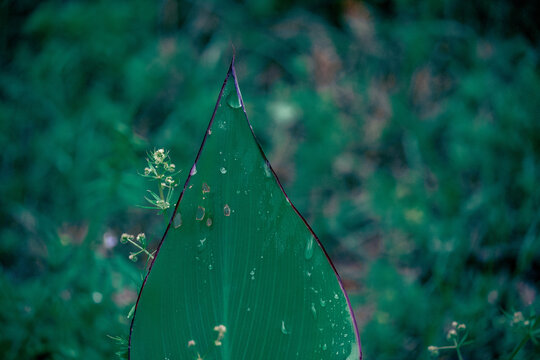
240,274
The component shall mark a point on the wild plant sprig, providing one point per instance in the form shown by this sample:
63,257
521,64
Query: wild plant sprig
457,336
161,170
139,242
122,344
526,326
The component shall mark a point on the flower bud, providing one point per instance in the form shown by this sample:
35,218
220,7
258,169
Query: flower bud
452,334
141,238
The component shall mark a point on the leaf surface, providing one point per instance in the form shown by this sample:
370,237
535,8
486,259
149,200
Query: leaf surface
239,274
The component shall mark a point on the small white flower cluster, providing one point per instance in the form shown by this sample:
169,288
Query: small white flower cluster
519,320
453,332
139,242
161,169
456,335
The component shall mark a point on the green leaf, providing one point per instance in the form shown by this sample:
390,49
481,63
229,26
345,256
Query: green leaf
242,275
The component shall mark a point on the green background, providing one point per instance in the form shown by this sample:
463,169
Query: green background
407,133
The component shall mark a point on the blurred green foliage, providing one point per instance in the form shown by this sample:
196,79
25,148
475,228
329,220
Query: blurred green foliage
406,132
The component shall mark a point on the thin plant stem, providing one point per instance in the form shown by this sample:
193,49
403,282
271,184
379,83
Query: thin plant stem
161,191
519,346
457,350
141,248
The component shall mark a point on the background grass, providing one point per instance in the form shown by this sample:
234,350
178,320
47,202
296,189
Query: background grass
407,133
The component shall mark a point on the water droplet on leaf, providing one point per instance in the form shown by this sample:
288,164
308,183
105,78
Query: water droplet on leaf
200,213
177,222
267,171
233,100
308,254
205,188
284,329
